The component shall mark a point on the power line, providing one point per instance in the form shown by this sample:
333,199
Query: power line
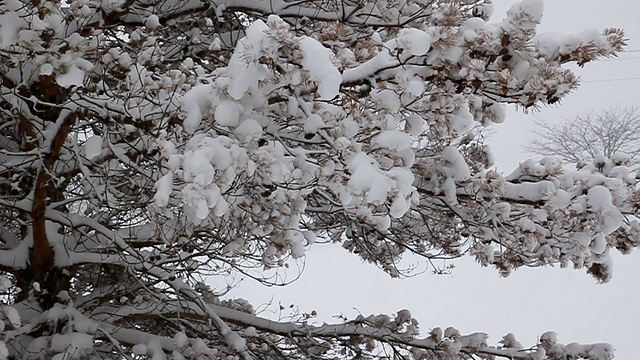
617,79
624,58
610,80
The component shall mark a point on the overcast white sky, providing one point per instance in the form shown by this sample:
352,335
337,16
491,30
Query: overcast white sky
531,301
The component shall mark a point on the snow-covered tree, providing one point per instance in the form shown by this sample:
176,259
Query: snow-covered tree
584,137
146,146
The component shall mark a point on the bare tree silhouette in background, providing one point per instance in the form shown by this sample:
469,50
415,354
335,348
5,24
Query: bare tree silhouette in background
586,136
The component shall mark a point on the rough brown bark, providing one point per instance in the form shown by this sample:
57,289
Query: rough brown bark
41,267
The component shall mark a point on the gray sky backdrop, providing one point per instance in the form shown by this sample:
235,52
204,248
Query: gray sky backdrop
530,301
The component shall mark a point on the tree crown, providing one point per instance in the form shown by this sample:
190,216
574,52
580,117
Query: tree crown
146,145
